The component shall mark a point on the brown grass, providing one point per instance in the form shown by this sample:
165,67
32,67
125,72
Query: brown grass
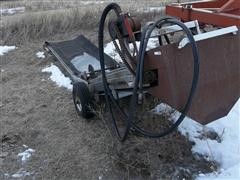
32,26
43,19
36,5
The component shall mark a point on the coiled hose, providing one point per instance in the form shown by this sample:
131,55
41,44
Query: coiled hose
138,84
108,92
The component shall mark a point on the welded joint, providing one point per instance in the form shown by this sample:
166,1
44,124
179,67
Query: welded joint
197,27
207,35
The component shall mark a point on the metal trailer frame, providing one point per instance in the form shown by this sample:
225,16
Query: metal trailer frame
118,75
221,13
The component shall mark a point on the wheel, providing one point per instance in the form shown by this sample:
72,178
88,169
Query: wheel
82,100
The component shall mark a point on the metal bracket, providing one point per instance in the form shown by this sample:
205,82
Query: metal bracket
207,35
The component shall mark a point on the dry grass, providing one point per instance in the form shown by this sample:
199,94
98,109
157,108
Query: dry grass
43,19
33,26
36,5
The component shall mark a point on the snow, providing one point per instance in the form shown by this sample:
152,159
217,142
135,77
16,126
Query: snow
225,150
152,43
25,146
12,11
21,173
110,50
231,173
6,175
40,54
58,77
91,2
25,155
80,62
5,49
151,9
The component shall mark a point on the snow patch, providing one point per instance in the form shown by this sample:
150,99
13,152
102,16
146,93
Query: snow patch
6,175
152,43
225,150
91,2
21,173
58,77
25,155
12,11
110,50
40,55
25,146
5,49
81,62
231,173
151,9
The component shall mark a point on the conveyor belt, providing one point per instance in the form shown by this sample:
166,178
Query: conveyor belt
72,53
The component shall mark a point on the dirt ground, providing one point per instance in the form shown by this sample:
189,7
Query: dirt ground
37,113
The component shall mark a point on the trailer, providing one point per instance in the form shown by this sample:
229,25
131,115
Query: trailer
193,70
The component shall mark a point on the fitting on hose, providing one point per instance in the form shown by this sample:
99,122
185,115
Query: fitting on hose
140,98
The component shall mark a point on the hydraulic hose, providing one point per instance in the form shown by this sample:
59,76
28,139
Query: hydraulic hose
139,81
108,92
166,39
139,76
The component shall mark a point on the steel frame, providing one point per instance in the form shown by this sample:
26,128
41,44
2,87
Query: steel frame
221,13
207,35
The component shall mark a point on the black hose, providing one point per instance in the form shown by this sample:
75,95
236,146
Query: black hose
166,39
108,93
138,84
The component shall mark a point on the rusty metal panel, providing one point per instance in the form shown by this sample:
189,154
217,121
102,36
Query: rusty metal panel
219,79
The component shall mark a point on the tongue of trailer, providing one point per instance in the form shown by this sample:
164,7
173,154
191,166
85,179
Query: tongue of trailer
193,65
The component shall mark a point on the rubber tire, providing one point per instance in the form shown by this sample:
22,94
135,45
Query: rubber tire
82,97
